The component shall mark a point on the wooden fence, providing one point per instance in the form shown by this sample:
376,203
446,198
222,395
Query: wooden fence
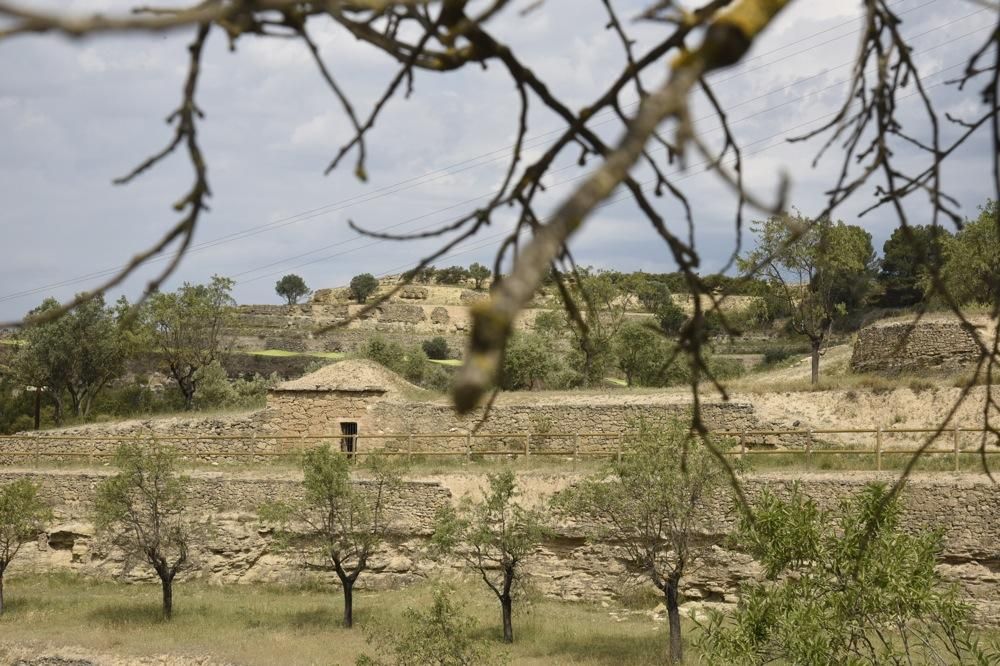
746,443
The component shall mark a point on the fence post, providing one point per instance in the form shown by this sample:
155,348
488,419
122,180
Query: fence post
527,445
958,466
468,446
878,448
576,445
409,447
743,444
809,447
621,437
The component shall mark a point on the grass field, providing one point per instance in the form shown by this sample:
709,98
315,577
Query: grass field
285,625
282,352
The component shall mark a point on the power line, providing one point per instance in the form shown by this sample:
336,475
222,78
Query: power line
409,183
563,182
485,242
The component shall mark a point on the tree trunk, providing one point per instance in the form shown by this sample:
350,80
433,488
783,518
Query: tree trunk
507,608
348,603
674,621
1,593
167,583
815,361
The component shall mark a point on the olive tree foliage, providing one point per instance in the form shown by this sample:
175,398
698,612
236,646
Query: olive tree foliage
648,505
341,521
493,536
143,510
23,515
906,256
291,287
362,286
971,270
442,635
479,274
76,355
879,143
822,270
187,328
842,586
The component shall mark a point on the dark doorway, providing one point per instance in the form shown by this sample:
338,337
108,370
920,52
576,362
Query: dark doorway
349,437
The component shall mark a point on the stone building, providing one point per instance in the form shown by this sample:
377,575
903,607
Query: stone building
337,399
367,406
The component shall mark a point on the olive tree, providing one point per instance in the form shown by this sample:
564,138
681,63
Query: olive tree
188,327
362,286
822,270
23,515
493,536
848,585
648,504
291,288
344,522
143,510
77,355
479,274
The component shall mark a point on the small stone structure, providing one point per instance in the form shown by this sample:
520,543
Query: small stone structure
914,346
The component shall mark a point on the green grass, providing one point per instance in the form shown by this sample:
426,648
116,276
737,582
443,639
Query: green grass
282,352
446,361
270,624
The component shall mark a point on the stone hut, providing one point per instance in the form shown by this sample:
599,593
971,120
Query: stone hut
336,399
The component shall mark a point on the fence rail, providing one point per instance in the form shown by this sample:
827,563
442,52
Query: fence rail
745,443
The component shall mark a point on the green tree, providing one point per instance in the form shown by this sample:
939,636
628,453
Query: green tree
648,504
640,353
655,297
493,537
143,511
23,515
848,586
821,269
344,522
479,274
971,269
528,362
291,288
601,305
906,256
362,286
188,329
454,275
443,636
77,355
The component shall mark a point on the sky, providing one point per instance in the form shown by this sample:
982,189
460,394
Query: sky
76,114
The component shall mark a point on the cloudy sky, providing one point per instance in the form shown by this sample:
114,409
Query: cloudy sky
76,114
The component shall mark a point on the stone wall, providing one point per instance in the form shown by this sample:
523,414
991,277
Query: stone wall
321,412
912,347
546,421
238,548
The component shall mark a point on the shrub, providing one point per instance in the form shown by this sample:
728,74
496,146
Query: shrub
362,286
436,348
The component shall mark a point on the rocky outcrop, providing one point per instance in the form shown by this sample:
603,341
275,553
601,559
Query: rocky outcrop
236,547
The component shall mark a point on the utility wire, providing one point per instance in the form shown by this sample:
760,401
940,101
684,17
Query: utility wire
409,183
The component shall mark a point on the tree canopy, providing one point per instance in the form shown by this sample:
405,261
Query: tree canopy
291,287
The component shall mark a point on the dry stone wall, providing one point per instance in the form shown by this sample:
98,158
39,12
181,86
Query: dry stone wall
238,548
911,347
546,423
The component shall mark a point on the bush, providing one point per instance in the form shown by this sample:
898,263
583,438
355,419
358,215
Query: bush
436,348
384,352
775,355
